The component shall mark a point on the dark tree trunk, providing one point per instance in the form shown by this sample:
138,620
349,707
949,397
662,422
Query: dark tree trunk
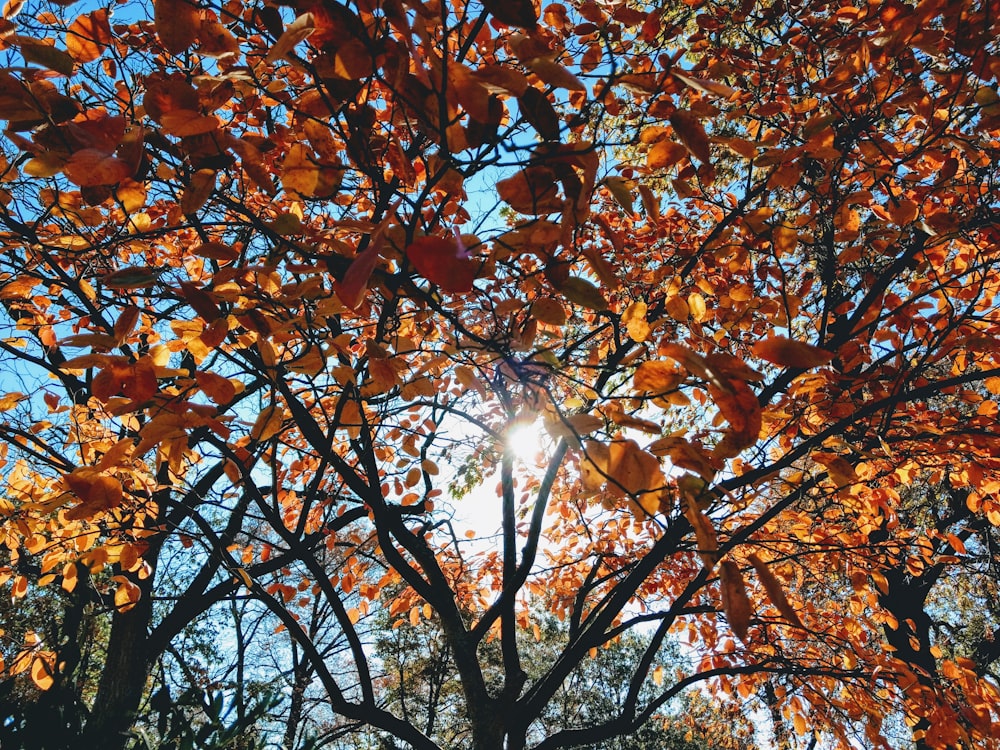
123,679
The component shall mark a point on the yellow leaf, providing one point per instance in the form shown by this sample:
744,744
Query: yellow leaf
10,400
268,423
583,293
634,319
696,305
549,311
800,724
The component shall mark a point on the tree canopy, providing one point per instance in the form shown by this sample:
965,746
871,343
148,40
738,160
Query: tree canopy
283,285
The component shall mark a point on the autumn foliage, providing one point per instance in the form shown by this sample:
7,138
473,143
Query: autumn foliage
278,278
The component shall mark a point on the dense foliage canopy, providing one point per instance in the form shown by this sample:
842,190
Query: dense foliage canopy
285,284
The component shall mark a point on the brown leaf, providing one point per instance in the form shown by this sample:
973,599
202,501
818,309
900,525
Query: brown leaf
692,134
775,591
520,13
46,55
198,191
135,277
735,602
298,31
531,191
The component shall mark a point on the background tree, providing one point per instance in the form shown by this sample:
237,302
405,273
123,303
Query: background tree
268,272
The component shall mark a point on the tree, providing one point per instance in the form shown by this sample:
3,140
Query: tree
272,273
421,683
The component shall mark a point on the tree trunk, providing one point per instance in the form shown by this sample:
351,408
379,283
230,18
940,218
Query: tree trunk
123,679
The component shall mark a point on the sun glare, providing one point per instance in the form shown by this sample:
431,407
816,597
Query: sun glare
525,441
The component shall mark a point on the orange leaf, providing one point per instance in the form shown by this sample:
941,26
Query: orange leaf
790,353
686,455
90,167
351,289
221,390
216,40
655,377
594,467
177,24
88,35
634,319
549,311
198,191
442,262
472,95
635,474
706,86
126,594
125,323
664,154
704,534
904,213
187,122
554,74
97,492
43,669
135,380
